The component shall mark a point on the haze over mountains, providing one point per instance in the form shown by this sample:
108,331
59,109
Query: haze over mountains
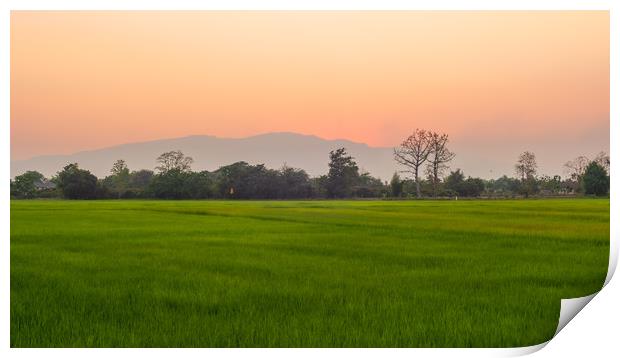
209,153
491,159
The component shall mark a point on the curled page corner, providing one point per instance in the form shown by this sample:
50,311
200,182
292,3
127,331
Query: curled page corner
613,261
569,309
523,351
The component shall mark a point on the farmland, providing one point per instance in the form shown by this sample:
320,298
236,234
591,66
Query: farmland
125,273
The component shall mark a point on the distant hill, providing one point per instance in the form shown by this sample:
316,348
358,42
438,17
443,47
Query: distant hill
209,153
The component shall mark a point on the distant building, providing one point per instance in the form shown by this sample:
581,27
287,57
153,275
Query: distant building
44,184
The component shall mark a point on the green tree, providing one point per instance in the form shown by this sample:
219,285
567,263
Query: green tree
200,185
368,186
549,184
595,180
171,184
343,174
139,182
319,186
120,177
25,185
241,180
396,186
76,183
529,186
471,187
454,181
505,186
294,183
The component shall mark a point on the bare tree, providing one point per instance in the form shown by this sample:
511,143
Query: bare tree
174,160
602,159
412,153
526,166
576,167
439,156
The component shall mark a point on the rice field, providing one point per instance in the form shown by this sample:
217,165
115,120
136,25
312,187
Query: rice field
477,273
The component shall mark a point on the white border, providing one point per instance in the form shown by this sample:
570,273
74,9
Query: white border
594,330
308,5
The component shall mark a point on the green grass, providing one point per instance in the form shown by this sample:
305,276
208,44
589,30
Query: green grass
300,274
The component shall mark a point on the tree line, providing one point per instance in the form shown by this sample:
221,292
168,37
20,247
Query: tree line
424,157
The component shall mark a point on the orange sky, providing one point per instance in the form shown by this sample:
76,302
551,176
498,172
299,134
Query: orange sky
85,80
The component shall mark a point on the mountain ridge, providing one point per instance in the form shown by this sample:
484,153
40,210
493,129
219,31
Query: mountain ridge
274,149
491,158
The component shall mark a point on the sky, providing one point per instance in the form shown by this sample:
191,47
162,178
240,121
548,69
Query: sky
497,82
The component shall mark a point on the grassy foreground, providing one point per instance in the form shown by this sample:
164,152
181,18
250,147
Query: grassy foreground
300,274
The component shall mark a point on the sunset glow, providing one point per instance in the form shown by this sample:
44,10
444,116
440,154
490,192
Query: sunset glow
85,80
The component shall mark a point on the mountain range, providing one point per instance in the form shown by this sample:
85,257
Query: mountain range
308,152
490,157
